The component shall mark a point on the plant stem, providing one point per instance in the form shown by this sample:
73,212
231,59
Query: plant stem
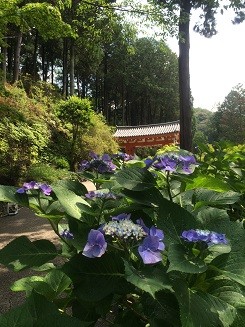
168,187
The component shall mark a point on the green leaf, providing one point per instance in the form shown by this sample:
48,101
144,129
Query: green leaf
74,186
58,281
53,284
196,309
135,178
208,182
210,197
163,310
8,194
73,204
231,265
183,260
21,253
173,220
37,312
97,277
150,280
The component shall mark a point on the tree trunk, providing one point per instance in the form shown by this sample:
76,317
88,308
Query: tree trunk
16,71
65,65
72,68
34,58
184,77
4,64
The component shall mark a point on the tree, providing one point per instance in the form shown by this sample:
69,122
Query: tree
77,114
229,121
20,17
207,27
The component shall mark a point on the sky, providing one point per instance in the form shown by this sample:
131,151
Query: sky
217,64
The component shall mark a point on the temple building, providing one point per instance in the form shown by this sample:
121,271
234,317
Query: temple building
154,135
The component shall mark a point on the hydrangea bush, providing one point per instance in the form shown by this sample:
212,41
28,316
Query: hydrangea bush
153,245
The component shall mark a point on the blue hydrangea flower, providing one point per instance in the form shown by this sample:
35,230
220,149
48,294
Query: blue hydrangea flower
99,164
187,163
166,163
199,235
67,234
45,188
96,244
150,249
101,195
181,162
123,156
121,216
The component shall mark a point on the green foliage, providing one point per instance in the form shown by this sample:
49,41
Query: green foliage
75,111
98,137
192,283
228,122
46,173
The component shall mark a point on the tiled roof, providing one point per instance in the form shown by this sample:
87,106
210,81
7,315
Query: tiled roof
144,130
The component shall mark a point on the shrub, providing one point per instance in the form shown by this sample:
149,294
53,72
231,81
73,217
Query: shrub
45,173
153,245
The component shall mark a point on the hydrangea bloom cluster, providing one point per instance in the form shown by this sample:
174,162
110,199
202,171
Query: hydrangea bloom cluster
122,228
101,164
67,234
101,195
123,156
173,161
45,188
199,235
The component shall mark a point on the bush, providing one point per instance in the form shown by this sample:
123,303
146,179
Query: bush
45,173
153,245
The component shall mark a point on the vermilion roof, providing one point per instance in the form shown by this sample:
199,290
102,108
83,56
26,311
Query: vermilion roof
144,130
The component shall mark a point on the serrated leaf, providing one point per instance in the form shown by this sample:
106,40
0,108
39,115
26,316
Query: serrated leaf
210,197
231,265
184,261
72,204
21,253
37,312
135,178
173,220
208,182
195,309
96,278
148,280
8,194
58,281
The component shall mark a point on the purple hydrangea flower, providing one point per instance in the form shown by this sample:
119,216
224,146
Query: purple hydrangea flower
121,216
96,244
45,188
101,195
123,156
199,235
187,163
84,165
166,163
102,164
67,234
181,161
150,249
